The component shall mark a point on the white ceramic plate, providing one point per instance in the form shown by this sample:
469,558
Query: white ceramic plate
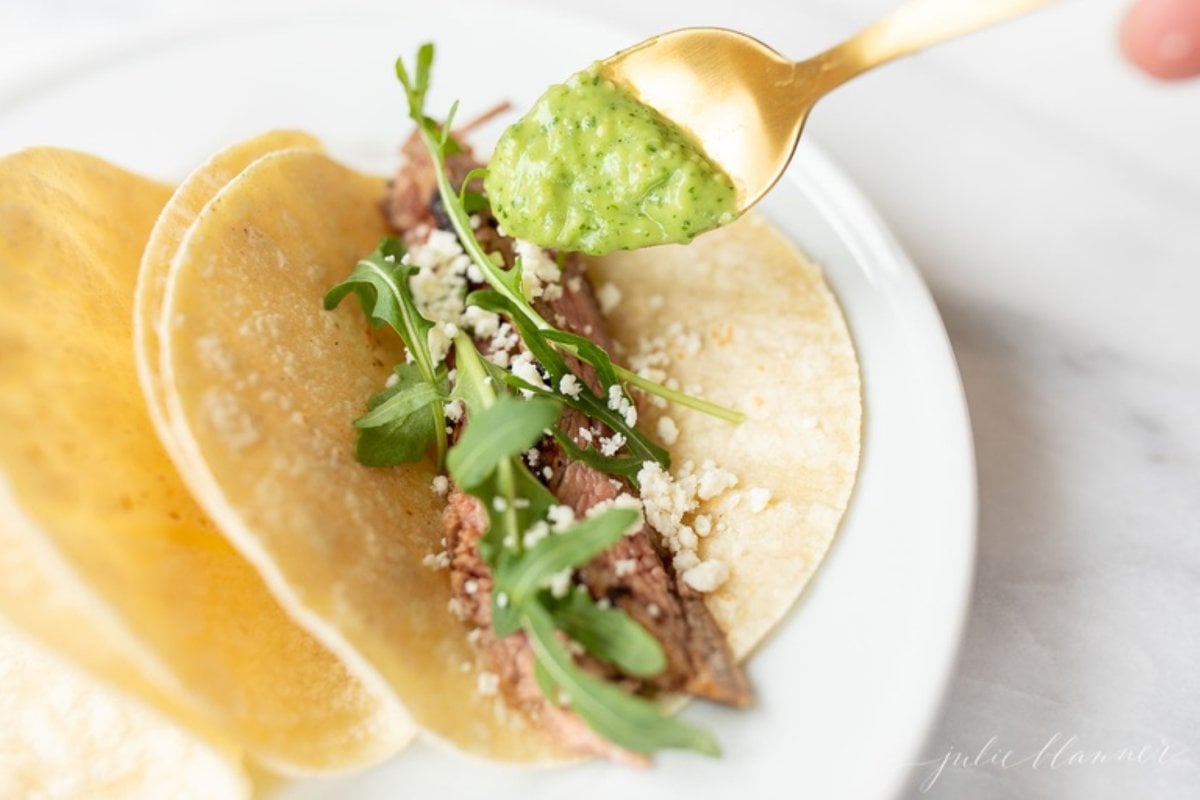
849,685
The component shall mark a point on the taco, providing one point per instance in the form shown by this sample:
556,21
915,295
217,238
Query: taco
536,535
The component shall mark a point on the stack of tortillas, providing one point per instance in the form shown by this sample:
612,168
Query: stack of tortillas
105,557
197,579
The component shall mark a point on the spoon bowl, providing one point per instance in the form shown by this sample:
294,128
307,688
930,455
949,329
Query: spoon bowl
746,105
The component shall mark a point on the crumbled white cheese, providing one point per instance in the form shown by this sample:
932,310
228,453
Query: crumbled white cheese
707,576
570,386
668,431
439,343
685,560
560,517
453,410
585,435
526,368
391,381
482,324
470,586
669,502
624,566
611,445
539,274
609,297
441,485
619,402
758,498
713,480
501,600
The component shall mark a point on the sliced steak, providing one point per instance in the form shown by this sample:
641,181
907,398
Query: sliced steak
698,657
510,658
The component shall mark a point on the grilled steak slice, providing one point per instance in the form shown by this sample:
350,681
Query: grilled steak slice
698,657
510,658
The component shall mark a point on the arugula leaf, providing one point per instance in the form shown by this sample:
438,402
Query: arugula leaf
409,394
627,467
589,351
510,426
609,634
624,719
380,281
524,576
396,429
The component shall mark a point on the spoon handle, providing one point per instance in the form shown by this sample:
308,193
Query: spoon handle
913,26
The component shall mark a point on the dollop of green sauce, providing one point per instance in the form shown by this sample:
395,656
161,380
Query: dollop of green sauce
592,169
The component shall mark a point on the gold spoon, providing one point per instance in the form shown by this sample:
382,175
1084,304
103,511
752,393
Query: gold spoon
745,104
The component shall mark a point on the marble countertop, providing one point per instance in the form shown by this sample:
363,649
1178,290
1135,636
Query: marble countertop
1050,196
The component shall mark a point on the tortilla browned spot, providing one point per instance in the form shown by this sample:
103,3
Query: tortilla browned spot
106,557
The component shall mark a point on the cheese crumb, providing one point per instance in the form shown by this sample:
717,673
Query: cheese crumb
707,576
624,566
758,499
441,485
524,367
609,297
611,445
560,517
539,273
668,431
570,386
453,410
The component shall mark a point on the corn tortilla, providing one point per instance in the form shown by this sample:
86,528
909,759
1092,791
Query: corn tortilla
131,579
343,544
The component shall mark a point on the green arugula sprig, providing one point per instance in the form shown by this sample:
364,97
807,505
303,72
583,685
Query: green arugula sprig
486,463
403,420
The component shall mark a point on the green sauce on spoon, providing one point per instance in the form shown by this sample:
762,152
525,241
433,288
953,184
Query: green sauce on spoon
590,168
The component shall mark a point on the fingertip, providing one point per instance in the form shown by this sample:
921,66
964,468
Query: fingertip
1162,37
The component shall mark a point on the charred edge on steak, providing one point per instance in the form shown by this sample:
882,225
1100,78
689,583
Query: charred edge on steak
699,661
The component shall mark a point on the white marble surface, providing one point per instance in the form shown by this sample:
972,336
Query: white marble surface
1051,198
